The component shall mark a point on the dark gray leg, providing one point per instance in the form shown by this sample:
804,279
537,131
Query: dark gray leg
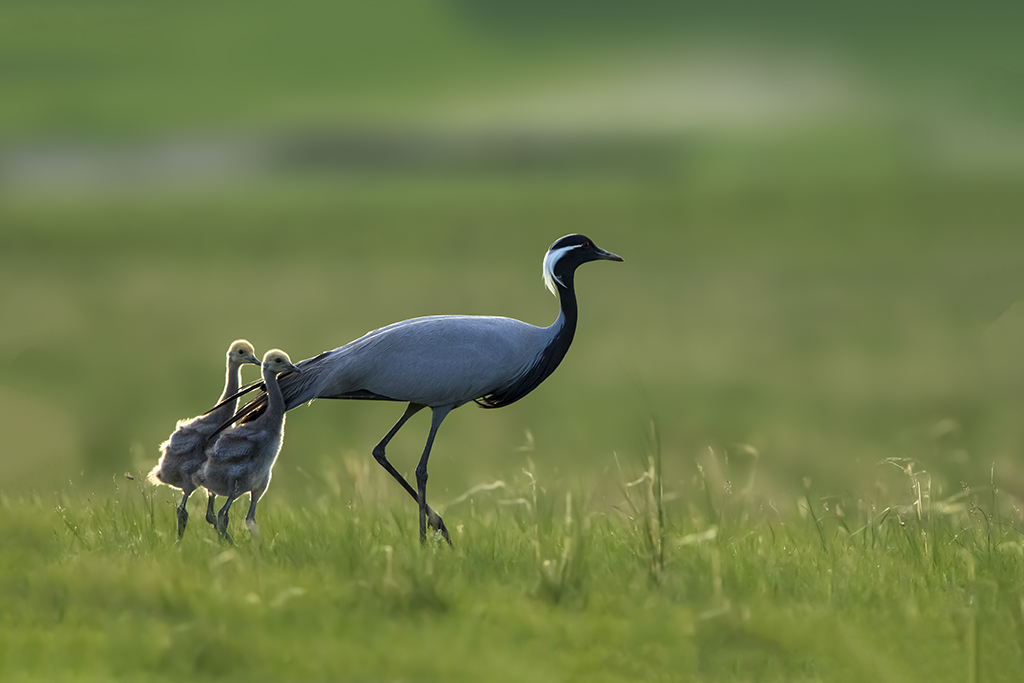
182,511
222,516
378,450
210,516
436,523
250,519
436,418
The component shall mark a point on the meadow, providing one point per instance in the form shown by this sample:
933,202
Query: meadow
672,584
785,444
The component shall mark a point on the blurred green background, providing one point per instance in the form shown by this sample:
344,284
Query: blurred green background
820,211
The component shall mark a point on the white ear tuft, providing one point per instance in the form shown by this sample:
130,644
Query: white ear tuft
550,260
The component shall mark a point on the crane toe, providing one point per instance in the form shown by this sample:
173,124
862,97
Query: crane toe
437,525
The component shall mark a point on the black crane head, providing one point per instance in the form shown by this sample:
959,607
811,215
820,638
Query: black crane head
567,254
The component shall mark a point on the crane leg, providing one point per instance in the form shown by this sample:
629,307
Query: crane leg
222,516
250,519
182,511
434,519
210,516
436,418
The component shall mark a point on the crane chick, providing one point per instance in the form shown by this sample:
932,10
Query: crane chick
241,459
184,451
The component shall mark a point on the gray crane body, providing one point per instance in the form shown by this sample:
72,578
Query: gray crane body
443,362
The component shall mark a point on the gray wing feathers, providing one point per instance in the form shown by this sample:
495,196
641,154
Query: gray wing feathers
439,360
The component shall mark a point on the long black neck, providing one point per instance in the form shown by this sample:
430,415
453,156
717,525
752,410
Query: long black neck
563,329
569,312
560,333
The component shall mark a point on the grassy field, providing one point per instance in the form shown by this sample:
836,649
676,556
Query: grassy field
671,584
785,444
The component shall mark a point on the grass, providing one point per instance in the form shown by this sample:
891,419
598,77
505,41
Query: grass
539,585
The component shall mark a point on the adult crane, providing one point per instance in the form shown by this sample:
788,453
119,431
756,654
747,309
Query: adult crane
443,362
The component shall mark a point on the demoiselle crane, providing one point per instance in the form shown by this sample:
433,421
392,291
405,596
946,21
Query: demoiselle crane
443,362
241,459
184,451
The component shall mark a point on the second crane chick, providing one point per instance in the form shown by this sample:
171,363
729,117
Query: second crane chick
241,459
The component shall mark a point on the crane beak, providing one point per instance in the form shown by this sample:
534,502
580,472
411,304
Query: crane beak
600,253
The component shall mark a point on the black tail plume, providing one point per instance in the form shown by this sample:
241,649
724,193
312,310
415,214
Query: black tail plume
247,413
258,384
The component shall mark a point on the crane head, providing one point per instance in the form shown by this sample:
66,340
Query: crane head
242,351
567,254
277,361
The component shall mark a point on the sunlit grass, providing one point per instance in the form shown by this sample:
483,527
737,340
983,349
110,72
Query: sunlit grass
540,584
